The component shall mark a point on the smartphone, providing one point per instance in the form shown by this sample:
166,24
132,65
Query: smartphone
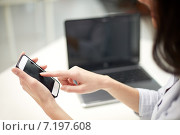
34,70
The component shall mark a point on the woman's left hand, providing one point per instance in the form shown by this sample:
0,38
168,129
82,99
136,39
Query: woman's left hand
33,87
41,94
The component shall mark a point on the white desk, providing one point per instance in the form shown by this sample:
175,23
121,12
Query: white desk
16,104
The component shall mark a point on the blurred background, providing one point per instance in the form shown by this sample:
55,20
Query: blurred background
29,25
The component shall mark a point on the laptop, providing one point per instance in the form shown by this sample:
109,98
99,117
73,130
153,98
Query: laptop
108,45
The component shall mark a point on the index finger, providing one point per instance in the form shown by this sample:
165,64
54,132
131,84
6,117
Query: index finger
55,74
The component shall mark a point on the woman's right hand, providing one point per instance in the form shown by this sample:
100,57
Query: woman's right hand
87,81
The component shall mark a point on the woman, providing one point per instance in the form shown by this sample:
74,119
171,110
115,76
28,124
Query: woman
163,104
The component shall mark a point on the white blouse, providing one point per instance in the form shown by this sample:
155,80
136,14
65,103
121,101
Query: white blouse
161,104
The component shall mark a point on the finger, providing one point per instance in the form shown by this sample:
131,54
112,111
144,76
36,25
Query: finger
64,81
43,67
23,84
56,74
22,53
35,59
73,89
70,81
21,74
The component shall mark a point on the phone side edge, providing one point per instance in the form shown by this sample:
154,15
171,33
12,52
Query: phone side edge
56,87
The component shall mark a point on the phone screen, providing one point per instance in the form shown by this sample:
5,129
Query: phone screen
32,69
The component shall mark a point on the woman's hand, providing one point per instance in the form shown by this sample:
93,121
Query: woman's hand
90,82
41,94
86,81
33,87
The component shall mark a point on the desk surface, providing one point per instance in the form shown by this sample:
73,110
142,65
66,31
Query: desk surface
16,104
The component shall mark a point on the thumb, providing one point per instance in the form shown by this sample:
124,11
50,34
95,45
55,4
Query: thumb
16,71
20,73
76,89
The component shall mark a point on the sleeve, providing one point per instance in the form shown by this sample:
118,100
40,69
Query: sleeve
147,101
173,112
149,98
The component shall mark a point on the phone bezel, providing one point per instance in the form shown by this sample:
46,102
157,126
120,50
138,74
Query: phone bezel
56,85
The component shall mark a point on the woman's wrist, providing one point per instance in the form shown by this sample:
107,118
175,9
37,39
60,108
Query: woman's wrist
110,84
48,104
124,93
107,82
54,111
49,107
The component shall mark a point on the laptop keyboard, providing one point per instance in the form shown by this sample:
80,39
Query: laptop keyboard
129,76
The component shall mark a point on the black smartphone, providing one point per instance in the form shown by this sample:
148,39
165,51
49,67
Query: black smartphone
34,70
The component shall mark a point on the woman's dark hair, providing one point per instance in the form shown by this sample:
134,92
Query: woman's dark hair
166,49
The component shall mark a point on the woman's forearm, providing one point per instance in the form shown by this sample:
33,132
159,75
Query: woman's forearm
122,92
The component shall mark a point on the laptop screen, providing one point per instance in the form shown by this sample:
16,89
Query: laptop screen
106,42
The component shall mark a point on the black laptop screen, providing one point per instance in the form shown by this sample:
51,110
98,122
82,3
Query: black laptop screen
106,42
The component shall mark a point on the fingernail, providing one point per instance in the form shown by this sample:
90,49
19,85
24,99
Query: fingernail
42,73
